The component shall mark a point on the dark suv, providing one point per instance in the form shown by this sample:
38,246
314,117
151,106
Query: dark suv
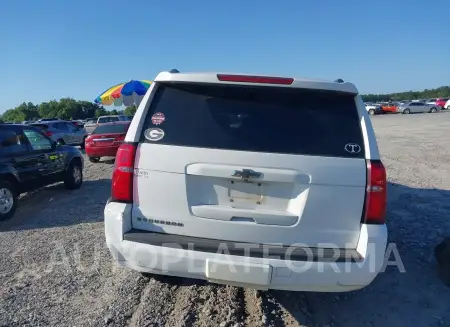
28,160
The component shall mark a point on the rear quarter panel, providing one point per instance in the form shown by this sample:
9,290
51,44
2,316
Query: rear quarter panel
72,153
7,171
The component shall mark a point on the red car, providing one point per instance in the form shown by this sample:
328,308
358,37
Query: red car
441,102
105,140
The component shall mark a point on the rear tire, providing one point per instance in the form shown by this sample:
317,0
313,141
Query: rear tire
371,112
94,159
433,110
74,176
8,200
406,111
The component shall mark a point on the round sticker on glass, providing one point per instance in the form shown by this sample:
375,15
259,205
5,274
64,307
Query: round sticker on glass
158,118
154,134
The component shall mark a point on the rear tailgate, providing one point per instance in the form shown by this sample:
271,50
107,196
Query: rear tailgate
107,135
251,164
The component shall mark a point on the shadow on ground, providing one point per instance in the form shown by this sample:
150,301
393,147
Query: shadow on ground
54,206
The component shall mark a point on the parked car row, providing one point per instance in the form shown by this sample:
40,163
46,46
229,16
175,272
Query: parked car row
408,106
38,154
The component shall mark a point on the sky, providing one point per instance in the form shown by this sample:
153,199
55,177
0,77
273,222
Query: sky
52,49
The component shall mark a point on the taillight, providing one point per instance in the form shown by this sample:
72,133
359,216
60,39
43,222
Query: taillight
119,139
49,134
255,79
88,141
122,177
376,193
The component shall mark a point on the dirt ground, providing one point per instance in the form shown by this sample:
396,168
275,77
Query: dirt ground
55,269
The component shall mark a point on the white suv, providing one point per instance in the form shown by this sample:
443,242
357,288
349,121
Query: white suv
250,181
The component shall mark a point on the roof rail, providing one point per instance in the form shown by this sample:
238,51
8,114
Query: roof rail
174,71
339,80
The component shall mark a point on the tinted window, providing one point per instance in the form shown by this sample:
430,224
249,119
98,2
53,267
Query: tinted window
261,119
37,140
11,142
109,129
108,119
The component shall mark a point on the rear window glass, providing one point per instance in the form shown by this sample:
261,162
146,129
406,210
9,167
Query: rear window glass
109,129
11,142
103,120
259,119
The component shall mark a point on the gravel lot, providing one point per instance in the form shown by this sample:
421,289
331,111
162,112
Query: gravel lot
55,269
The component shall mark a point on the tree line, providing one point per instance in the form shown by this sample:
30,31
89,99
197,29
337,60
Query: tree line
66,108
440,92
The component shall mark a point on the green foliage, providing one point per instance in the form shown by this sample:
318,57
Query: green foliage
66,108
26,111
440,92
130,111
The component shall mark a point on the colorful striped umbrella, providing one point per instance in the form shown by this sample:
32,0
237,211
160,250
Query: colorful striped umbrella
126,94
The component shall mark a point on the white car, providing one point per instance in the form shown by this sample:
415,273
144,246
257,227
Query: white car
373,109
250,181
447,105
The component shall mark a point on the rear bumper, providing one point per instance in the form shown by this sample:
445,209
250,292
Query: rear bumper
101,152
150,252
